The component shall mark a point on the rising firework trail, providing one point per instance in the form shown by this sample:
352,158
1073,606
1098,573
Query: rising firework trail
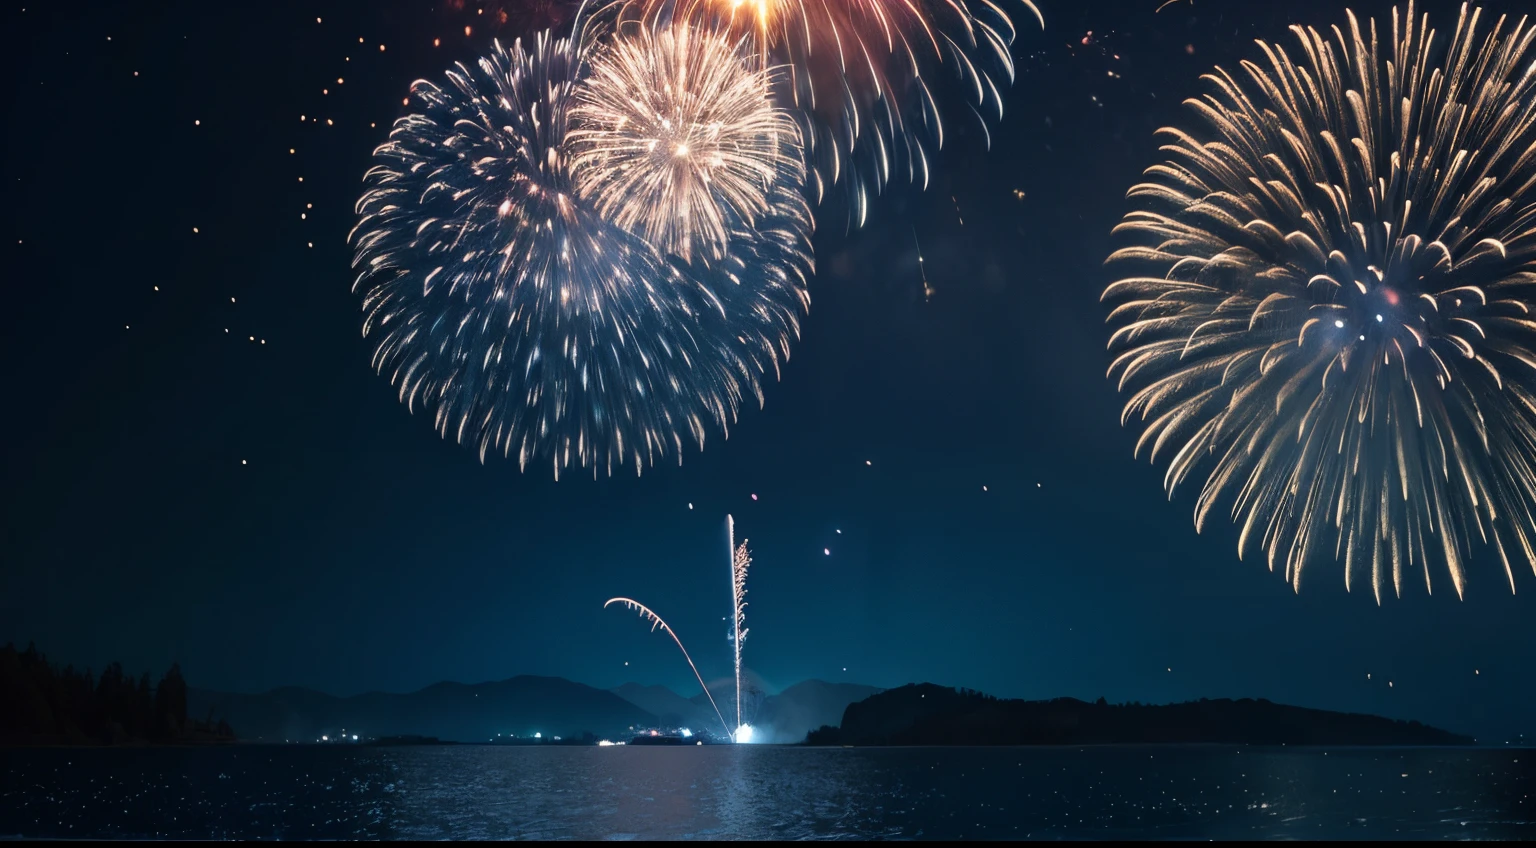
740,561
657,624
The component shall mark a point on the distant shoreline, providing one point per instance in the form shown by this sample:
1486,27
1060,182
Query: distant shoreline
243,744
53,708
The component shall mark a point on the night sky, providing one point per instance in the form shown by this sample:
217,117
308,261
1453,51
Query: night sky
201,466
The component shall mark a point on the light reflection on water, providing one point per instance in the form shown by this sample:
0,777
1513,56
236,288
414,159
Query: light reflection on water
765,792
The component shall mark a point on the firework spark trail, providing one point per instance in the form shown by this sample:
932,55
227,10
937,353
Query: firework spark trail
740,561
1337,323
657,624
922,266
856,68
525,321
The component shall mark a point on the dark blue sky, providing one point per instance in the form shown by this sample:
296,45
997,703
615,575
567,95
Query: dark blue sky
269,514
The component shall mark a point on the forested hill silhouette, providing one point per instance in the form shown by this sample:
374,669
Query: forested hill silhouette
41,705
926,714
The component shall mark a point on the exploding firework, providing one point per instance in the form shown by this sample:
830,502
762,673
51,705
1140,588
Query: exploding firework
1335,328
657,624
677,141
524,319
740,562
855,69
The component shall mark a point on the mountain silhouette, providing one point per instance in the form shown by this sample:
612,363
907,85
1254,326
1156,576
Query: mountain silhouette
521,706
788,716
670,708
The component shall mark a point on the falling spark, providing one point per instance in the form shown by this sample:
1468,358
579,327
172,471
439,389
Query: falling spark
657,624
922,266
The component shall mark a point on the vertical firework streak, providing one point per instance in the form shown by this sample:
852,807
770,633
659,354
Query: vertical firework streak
657,624
740,560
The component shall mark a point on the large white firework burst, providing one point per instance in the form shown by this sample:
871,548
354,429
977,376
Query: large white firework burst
529,323
1335,325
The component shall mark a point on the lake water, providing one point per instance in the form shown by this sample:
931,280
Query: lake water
762,792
